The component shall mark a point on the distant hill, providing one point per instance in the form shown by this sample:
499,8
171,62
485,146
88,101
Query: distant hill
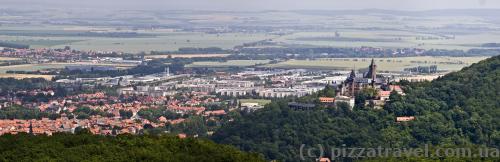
87,147
13,45
460,109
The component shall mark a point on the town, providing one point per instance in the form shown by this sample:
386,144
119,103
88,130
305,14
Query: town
129,104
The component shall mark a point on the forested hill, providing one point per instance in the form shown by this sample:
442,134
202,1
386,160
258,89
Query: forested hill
458,110
474,88
87,147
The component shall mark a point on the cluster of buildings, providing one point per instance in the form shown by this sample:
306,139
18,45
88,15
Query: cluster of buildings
96,125
82,60
113,123
129,80
261,84
182,94
348,86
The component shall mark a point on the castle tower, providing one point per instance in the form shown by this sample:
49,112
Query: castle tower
372,72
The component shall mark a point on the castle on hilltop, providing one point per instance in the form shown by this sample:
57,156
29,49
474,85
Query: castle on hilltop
356,82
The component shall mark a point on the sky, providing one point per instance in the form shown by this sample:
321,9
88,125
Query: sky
254,5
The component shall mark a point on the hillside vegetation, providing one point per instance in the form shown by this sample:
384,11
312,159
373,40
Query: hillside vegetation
87,147
458,110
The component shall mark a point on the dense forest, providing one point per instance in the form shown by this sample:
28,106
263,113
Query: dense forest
12,84
19,112
460,109
86,147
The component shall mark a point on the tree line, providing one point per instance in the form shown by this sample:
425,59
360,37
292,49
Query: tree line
84,146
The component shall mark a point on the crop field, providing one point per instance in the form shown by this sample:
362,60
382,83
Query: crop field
43,43
391,39
186,56
445,30
22,76
45,66
261,102
143,41
383,64
9,59
239,63
166,42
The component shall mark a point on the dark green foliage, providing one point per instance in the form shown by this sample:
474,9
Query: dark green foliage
19,112
277,131
329,91
11,84
194,125
87,147
459,109
86,112
153,114
126,114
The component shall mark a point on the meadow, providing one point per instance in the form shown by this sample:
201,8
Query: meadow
319,28
22,76
155,40
261,102
383,64
391,39
45,66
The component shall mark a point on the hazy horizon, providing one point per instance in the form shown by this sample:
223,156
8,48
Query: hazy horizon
254,5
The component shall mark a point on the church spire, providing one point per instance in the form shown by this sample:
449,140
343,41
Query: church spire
31,128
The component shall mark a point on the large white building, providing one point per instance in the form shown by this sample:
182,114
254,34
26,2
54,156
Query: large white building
234,84
235,92
286,92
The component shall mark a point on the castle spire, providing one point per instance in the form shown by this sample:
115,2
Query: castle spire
353,74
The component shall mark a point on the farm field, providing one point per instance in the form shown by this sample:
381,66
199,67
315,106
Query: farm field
154,40
22,76
390,39
168,42
261,102
9,59
35,67
383,64
239,63
446,30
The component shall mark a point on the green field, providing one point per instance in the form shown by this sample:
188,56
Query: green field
390,39
45,66
318,28
261,102
239,63
156,40
383,64
42,43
